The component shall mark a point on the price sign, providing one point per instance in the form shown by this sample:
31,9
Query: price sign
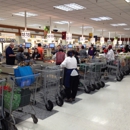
25,34
82,39
68,37
102,40
92,40
120,42
109,41
50,36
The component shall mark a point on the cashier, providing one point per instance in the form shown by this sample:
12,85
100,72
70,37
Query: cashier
10,56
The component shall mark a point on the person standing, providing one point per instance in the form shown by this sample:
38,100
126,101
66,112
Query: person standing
71,76
82,54
110,54
92,51
59,56
40,50
10,56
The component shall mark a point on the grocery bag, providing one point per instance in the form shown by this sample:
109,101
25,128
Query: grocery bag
26,75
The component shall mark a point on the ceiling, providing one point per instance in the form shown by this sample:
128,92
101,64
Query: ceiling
118,10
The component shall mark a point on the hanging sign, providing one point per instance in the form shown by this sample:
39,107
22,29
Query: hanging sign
68,37
102,40
92,40
25,34
109,41
120,42
82,39
50,36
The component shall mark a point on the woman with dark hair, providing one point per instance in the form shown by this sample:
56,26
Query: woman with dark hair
71,76
20,55
127,49
92,51
36,55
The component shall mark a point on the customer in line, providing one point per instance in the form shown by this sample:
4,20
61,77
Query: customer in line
10,56
36,55
71,77
82,54
92,51
110,54
40,50
20,55
59,56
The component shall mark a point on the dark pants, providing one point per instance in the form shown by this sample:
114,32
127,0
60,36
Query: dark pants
71,91
10,61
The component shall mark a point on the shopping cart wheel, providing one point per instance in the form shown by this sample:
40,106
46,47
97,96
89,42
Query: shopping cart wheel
35,120
59,101
4,125
49,105
98,86
102,84
88,90
119,78
93,87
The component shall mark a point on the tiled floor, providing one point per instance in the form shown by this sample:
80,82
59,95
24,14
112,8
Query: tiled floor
107,109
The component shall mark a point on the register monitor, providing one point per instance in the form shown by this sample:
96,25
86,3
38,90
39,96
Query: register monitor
27,45
51,45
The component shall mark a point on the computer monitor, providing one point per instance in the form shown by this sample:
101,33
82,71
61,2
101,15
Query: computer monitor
70,46
84,45
51,45
27,45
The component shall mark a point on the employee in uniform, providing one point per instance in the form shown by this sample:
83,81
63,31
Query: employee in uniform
71,77
40,50
10,56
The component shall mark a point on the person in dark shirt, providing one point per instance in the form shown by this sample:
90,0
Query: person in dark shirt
92,51
10,56
36,55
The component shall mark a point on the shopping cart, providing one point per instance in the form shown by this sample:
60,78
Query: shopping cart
90,76
19,96
3,124
51,87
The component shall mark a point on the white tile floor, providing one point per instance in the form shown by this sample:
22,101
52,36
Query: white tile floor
108,109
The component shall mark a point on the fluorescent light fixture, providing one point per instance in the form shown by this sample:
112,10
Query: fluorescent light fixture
86,27
101,18
101,30
126,28
75,6
119,24
62,22
34,25
127,1
70,7
23,14
2,19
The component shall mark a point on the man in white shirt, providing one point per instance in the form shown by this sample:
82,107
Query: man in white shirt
110,54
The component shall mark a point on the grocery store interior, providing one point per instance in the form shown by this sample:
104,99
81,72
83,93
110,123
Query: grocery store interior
64,65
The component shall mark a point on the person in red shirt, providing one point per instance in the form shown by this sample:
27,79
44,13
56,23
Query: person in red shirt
40,50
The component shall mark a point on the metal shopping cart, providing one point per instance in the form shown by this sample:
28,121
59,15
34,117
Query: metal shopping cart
51,87
19,96
3,124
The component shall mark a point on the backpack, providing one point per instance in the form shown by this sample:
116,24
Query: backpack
60,56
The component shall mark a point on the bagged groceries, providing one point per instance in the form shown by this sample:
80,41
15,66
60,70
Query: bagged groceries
27,74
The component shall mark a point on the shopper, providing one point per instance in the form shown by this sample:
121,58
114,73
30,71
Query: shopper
36,55
92,51
71,77
10,56
82,54
20,55
40,50
110,54
59,57
126,49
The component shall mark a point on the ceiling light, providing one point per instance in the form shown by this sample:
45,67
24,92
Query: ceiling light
62,22
34,25
86,27
119,24
69,7
101,18
2,19
23,14
127,1
75,6
101,30
126,28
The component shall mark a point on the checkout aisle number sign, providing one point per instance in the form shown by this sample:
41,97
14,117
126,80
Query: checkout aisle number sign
50,36
25,34
82,39
68,37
